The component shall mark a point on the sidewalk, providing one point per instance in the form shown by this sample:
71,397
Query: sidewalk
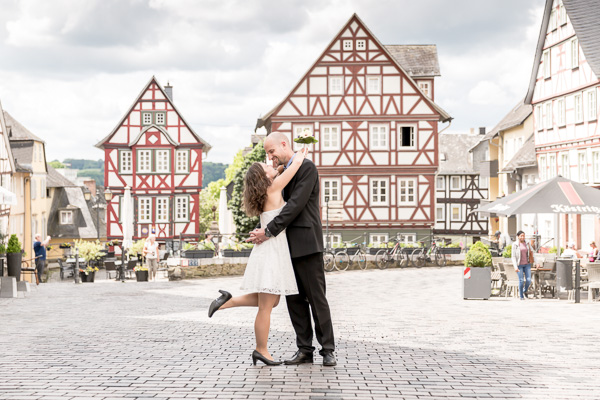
401,333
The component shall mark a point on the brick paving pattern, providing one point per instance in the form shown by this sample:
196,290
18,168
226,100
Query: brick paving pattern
401,334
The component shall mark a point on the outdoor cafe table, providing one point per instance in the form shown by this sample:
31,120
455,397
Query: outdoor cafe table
537,272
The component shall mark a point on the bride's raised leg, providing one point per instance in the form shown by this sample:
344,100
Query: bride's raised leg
246,300
262,324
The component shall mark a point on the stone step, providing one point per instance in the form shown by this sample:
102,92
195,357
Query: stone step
8,287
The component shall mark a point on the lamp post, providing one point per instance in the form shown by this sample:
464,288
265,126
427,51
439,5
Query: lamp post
107,196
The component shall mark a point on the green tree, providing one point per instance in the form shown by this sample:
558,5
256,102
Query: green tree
56,164
244,223
96,174
237,163
212,172
208,198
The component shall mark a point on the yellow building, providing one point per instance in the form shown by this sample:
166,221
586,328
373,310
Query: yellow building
7,170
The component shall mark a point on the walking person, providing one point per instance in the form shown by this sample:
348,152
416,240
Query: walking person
269,272
301,221
522,259
151,255
39,248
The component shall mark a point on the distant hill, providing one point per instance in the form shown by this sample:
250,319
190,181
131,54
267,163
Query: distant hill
212,172
84,164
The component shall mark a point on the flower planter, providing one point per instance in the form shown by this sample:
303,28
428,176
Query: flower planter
236,253
62,246
198,254
141,276
13,261
374,250
449,250
349,250
87,278
477,283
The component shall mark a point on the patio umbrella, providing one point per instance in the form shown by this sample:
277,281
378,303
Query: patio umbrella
127,218
7,198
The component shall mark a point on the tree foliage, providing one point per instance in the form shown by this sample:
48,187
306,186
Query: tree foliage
56,164
244,223
212,172
78,163
237,163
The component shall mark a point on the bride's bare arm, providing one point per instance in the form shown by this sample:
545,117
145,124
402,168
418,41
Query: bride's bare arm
282,180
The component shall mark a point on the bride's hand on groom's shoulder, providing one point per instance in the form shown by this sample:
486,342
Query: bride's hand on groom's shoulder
301,155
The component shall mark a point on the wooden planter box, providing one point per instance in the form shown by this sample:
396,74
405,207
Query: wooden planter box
374,250
235,253
198,254
479,285
449,250
350,250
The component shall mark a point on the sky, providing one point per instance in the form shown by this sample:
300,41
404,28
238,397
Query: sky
70,69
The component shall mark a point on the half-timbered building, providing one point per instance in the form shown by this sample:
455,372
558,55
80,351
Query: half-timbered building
459,189
372,109
155,152
563,91
7,170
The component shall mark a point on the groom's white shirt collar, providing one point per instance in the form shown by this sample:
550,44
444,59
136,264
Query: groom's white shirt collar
290,162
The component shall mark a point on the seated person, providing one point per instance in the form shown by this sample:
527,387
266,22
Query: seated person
593,255
570,252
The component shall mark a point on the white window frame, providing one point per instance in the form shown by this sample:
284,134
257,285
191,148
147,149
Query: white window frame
336,239
561,111
440,183
574,46
144,209
546,64
596,166
582,167
182,207
361,45
334,89
373,78
425,87
542,167
553,20
454,179
378,238
66,217
408,238
182,161
379,191
539,117
565,165
331,137
298,130
456,207
144,161
440,216
158,115
552,170
379,140
347,45
484,182
162,209
413,137
163,161
328,189
143,118
548,120
578,107
125,162
407,193
591,104
562,15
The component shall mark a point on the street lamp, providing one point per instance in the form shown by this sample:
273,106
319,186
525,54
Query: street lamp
107,196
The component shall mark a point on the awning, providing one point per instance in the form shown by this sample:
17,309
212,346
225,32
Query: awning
7,198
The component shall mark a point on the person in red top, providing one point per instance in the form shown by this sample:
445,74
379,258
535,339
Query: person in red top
522,258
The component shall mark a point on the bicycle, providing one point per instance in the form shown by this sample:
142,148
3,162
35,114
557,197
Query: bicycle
385,257
420,257
343,259
328,260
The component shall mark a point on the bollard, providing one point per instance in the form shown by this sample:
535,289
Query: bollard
577,281
76,268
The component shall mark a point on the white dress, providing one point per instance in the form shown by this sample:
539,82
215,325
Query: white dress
269,268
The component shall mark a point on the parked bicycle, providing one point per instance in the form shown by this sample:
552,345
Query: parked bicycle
351,255
432,254
385,258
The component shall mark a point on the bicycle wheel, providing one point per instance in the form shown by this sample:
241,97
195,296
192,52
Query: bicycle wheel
402,258
440,259
361,259
328,261
342,261
418,258
383,259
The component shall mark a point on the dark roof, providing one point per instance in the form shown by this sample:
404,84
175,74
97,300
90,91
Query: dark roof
22,152
417,60
56,179
515,117
524,158
453,149
22,168
584,16
17,131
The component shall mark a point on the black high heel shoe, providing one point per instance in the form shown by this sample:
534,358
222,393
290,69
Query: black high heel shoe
217,303
257,356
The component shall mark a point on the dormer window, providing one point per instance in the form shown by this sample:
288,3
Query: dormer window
347,45
146,118
66,217
361,45
160,118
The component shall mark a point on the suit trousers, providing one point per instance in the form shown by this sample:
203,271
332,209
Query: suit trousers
310,277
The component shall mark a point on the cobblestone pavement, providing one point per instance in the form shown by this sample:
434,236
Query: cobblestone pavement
400,334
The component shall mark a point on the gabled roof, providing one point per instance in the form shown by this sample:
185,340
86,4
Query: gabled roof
524,158
22,153
417,60
17,131
207,146
160,129
56,179
584,16
4,131
444,116
452,150
515,117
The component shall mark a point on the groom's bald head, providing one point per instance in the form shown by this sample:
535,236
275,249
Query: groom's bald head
278,148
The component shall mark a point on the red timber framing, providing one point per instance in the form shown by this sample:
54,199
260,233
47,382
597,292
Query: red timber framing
377,132
466,197
156,153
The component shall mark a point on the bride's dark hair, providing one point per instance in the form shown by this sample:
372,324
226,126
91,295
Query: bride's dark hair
256,183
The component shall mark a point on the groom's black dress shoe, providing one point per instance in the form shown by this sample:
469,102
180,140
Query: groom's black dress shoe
217,303
300,358
329,359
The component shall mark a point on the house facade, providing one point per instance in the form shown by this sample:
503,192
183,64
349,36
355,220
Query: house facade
7,170
155,152
459,189
372,109
563,91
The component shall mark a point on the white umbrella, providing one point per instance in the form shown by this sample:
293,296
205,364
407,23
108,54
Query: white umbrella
7,198
127,218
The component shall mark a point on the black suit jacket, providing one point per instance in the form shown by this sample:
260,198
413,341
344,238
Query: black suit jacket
301,215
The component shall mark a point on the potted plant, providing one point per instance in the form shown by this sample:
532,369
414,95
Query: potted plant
141,273
87,274
189,250
507,254
238,250
477,273
137,249
451,248
14,256
206,249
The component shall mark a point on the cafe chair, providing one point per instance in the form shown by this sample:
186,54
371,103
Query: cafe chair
512,280
110,268
593,281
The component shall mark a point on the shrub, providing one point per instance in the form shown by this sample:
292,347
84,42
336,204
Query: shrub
478,256
14,246
507,253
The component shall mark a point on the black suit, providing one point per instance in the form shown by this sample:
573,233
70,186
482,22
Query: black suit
305,238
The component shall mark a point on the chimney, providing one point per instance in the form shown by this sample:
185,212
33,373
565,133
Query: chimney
482,130
169,91
91,185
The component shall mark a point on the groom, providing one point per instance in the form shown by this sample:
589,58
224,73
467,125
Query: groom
305,238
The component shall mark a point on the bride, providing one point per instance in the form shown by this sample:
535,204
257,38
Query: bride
269,272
